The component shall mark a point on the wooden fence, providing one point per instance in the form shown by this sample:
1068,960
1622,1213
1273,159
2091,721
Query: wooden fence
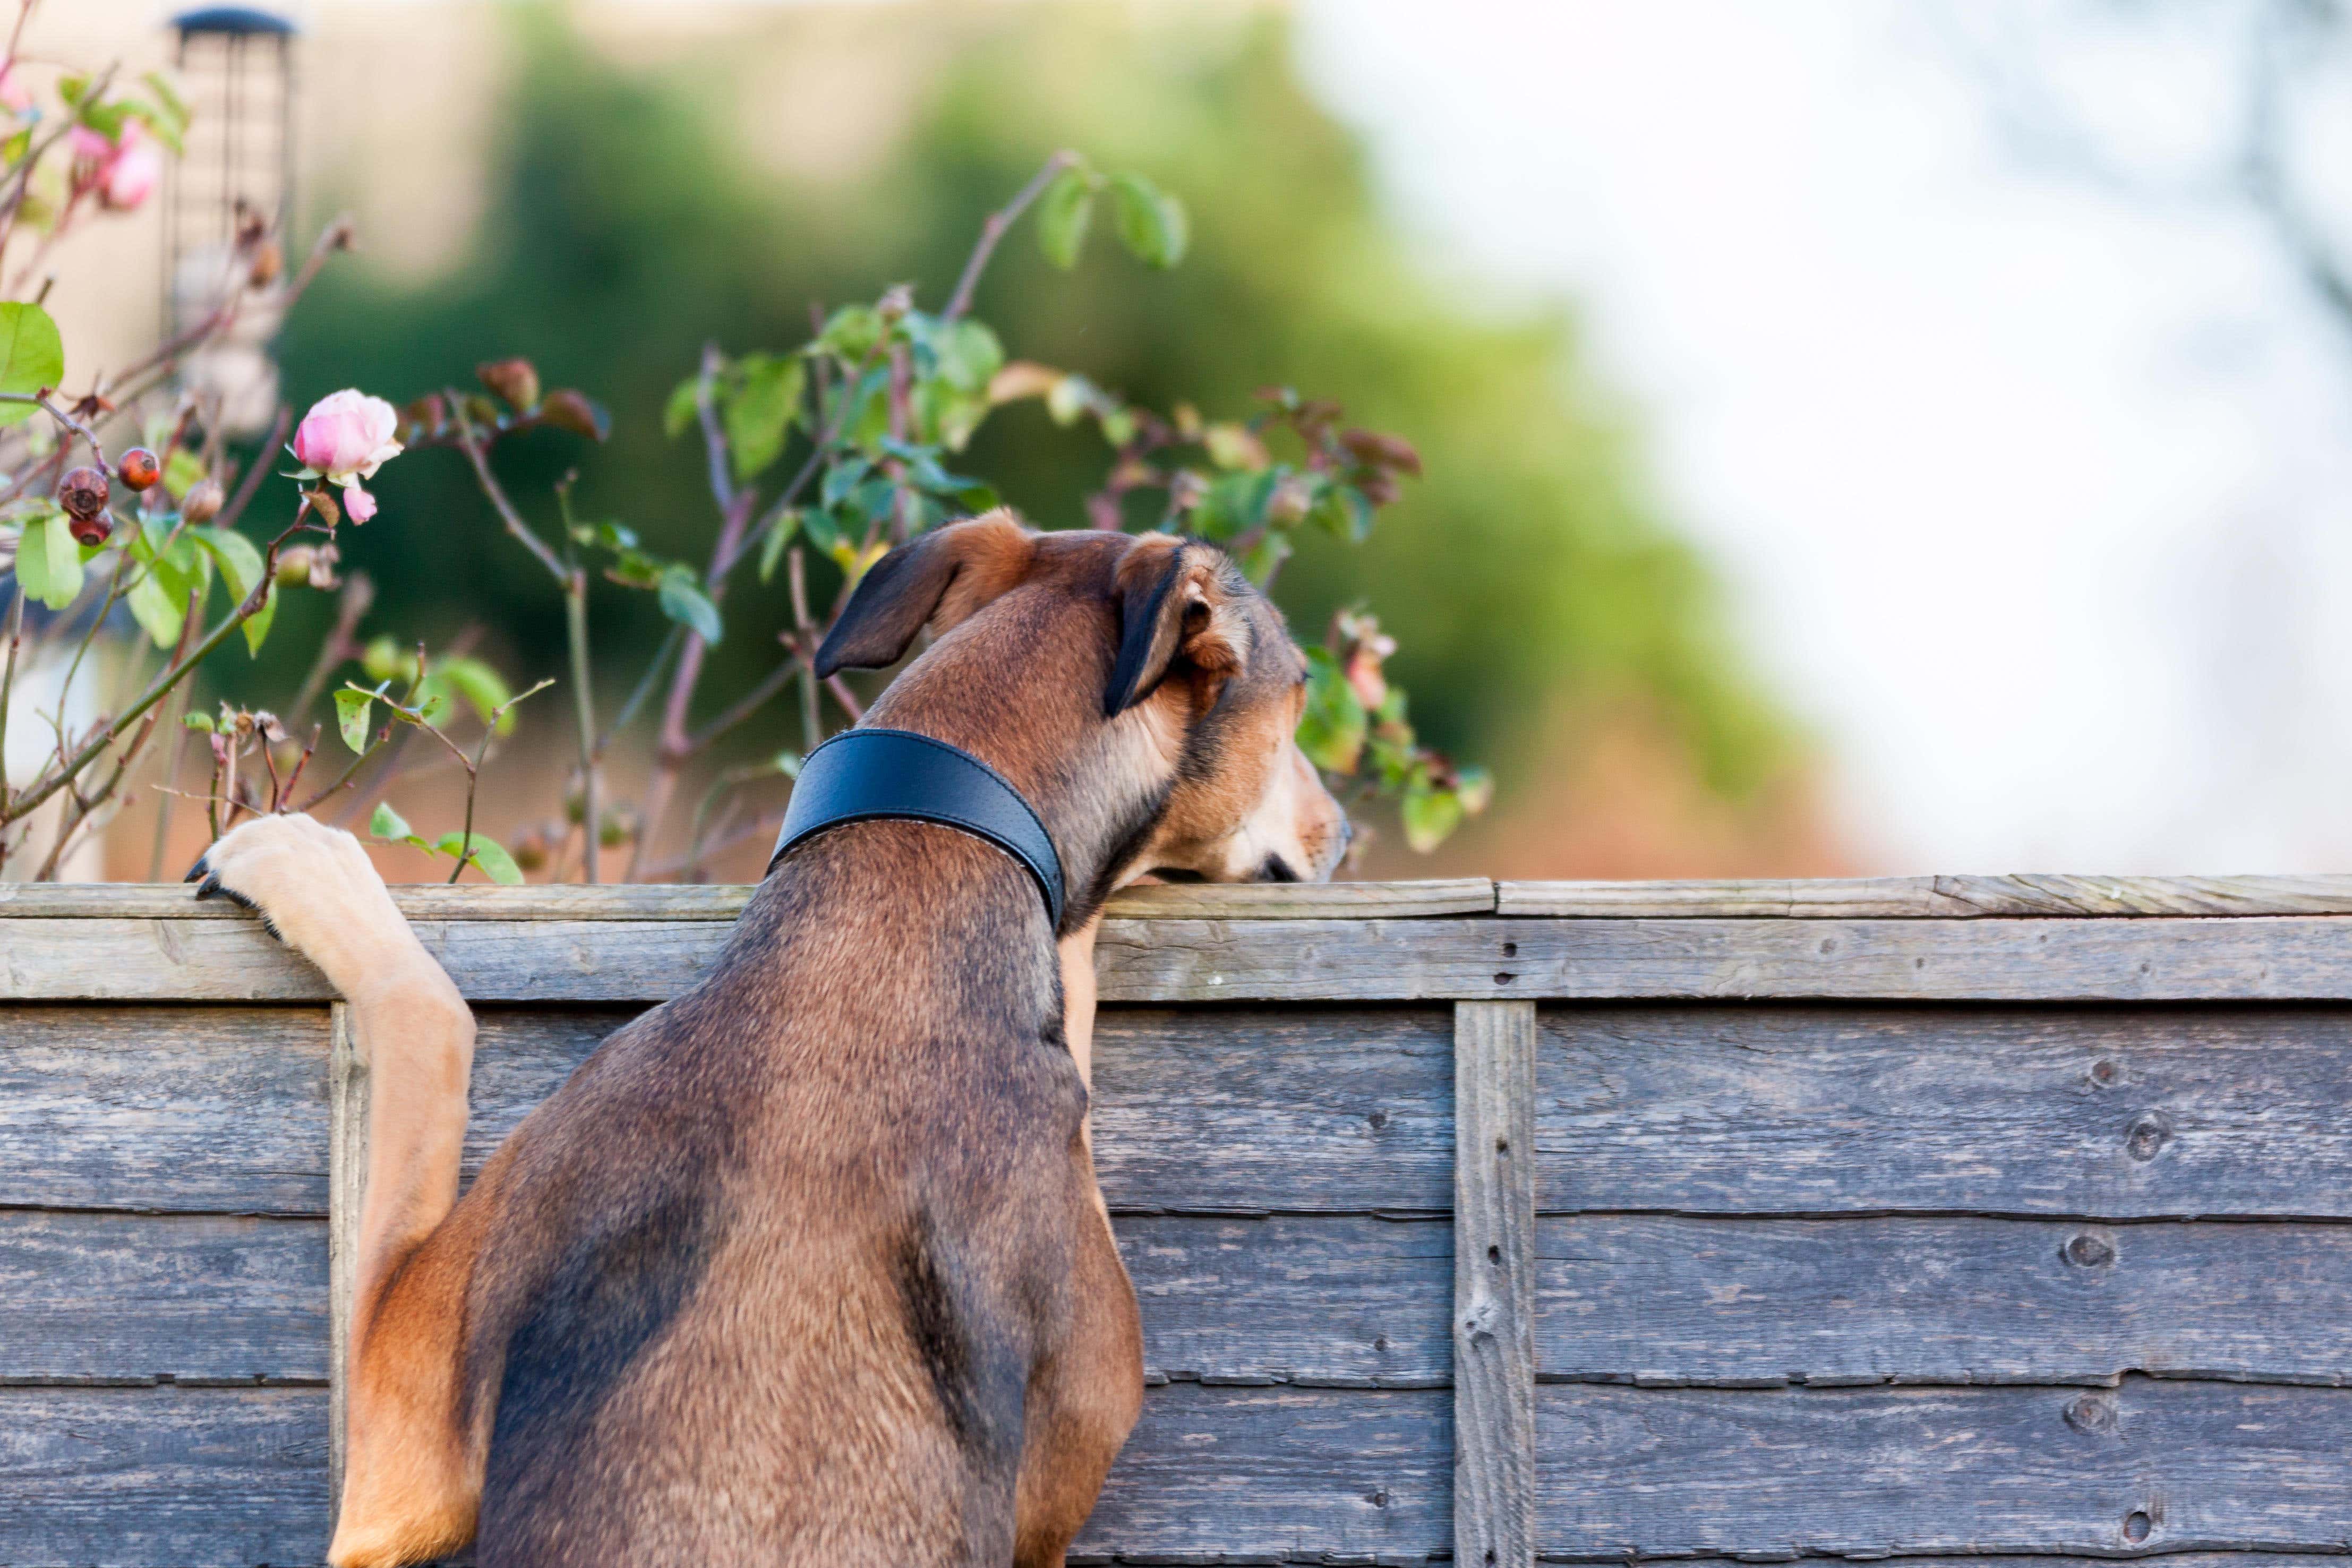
1945,1219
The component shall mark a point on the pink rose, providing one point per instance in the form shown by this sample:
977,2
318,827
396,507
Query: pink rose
136,169
344,439
123,172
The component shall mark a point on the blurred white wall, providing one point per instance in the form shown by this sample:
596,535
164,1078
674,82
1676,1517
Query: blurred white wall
2038,500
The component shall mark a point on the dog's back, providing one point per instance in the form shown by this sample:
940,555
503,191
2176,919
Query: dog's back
794,1240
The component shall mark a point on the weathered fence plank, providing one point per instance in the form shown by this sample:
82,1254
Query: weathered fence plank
1666,1300
1921,897
2271,958
1334,1301
1494,1283
163,1108
1243,1110
121,1298
688,901
2142,1113
1256,1474
2156,1465
172,1478
163,1478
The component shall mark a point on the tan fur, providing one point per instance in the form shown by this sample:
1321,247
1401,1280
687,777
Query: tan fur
809,1266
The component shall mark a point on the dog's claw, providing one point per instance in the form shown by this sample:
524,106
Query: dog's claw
199,870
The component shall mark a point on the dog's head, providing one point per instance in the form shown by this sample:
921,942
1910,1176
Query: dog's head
1138,689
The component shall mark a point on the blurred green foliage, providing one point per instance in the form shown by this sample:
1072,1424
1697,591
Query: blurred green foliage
1527,572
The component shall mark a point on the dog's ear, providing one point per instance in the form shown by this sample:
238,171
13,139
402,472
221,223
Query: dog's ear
940,581
1173,612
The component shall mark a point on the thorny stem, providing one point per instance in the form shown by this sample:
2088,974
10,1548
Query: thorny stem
358,595
473,769
41,401
470,444
992,230
584,703
804,643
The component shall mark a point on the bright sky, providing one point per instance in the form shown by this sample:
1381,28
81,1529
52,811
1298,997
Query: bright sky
2036,502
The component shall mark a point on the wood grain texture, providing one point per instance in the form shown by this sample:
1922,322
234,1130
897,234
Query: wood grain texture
1259,1475
1922,897
2154,1465
163,1108
2117,1113
170,1478
668,901
1231,1111
347,1147
1494,1283
1168,961
163,1478
1671,1299
128,1299
1334,1301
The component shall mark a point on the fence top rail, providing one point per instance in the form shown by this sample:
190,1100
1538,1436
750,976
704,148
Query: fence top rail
1865,898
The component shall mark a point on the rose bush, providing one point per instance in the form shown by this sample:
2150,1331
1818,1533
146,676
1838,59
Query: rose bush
830,449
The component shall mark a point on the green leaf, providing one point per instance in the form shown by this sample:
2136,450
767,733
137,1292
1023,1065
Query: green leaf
1430,815
167,98
824,531
32,357
158,611
486,853
969,355
387,824
1332,730
354,712
840,479
1152,222
780,533
761,409
1069,398
240,564
182,472
1063,214
484,689
683,601
852,332
1259,562
679,411
49,562
198,721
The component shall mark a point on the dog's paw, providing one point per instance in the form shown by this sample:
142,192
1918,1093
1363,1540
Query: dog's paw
311,884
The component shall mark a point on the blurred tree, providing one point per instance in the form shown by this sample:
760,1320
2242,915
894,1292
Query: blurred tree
1527,573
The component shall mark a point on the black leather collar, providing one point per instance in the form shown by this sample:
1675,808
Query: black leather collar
867,775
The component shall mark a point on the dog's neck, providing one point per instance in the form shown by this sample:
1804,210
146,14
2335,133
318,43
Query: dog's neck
1098,784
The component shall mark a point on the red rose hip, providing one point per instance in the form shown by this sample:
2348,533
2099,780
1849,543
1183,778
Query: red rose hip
138,468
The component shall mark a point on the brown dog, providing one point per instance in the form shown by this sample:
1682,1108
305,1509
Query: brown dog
808,1266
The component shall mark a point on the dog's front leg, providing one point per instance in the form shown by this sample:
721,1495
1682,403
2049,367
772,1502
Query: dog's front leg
412,1477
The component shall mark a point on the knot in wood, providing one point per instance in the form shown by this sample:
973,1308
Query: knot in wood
2090,1251
2093,1415
2149,1133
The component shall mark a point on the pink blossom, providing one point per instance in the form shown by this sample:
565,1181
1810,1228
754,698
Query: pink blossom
358,504
133,174
124,172
15,97
347,436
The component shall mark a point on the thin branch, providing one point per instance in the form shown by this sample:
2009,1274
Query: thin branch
750,703
475,454
227,517
992,230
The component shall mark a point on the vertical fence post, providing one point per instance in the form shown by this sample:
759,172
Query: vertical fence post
347,1125
1494,1284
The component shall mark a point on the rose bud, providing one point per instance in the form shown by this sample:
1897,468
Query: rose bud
517,380
138,469
203,502
569,410
83,493
267,263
